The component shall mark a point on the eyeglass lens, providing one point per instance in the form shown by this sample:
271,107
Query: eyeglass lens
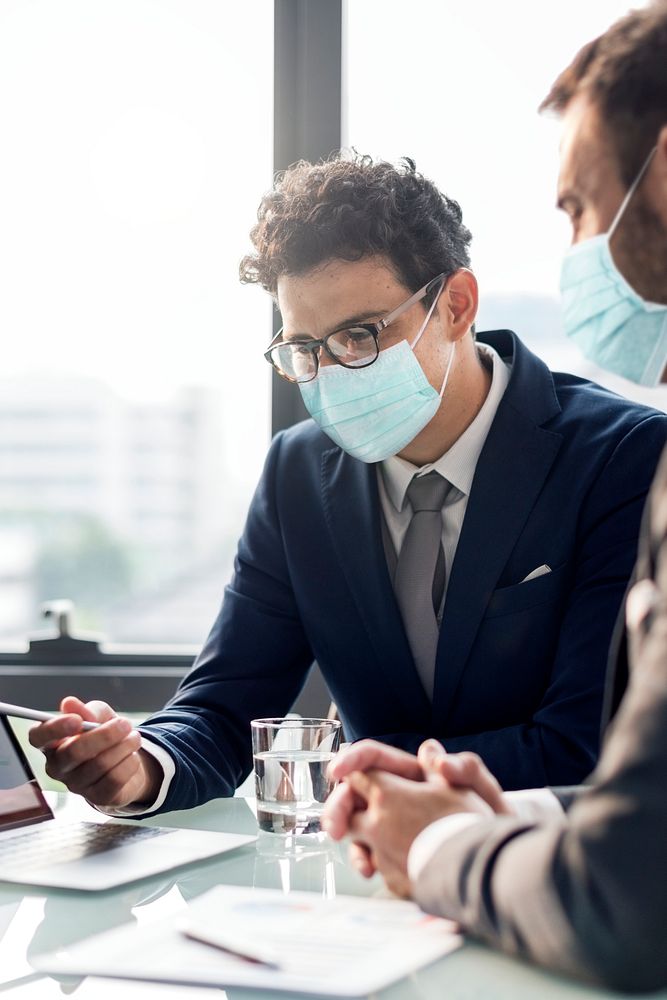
353,348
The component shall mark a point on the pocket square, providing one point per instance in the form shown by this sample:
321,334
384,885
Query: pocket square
540,571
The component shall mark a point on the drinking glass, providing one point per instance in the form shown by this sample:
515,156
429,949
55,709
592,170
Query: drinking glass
291,757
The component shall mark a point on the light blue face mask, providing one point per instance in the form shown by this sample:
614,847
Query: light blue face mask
374,412
612,325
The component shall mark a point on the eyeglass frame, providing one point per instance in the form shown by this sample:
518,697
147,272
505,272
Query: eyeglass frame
374,329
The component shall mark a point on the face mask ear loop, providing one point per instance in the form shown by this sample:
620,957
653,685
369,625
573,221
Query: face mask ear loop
428,316
449,366
633,187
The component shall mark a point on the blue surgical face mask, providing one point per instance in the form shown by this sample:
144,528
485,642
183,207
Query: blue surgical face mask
612,325
374,412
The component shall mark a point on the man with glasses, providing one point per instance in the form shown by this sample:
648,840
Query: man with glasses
450,537
575,879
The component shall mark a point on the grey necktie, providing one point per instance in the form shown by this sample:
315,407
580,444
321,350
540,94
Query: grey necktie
420,572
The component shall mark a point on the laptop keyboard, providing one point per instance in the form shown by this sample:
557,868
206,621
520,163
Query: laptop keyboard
57,844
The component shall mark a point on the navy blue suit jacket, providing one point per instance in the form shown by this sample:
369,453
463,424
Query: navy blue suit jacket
519,676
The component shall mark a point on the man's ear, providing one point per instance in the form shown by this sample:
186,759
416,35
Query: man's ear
461,300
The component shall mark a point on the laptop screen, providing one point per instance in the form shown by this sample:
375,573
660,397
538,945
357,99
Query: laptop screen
21,799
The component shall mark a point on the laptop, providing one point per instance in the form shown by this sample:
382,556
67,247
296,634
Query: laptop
38,849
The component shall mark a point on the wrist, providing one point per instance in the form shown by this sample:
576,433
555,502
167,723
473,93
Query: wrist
151,777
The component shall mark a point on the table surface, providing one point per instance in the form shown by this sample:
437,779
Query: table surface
34,921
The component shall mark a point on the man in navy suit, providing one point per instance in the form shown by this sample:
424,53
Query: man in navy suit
450,537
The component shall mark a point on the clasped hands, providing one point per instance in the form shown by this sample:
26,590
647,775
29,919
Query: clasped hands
386,797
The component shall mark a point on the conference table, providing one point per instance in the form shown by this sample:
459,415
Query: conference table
37,921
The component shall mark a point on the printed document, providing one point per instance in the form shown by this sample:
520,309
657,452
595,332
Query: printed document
345,946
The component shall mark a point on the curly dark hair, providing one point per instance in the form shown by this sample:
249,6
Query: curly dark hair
348,208
624,72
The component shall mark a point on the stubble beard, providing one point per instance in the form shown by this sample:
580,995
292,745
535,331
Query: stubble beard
640,251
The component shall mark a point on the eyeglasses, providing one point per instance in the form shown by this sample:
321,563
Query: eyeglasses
298,359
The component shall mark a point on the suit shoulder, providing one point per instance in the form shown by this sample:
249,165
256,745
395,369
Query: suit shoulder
581,399
305,436
305,433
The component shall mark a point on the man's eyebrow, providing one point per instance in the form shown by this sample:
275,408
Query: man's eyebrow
368,316
365,317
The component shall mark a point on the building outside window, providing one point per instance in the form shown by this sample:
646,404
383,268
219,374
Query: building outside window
134,399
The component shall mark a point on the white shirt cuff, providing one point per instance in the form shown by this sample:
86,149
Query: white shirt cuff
426,843
534,803
528,804
166,762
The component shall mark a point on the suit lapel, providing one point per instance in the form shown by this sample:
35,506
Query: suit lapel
352,511
510,474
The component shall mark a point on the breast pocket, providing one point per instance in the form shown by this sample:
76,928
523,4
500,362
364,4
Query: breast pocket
543,589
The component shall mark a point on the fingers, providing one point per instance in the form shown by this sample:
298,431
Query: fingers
104,778
467,770
338,811
362,783
49,734
75,766
430,756
75,751
369,754
347,804
361,859
110,790
93,711
104,770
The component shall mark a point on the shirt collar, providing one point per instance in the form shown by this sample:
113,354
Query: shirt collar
459,463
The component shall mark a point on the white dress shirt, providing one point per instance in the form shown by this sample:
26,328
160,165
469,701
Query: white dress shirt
457,466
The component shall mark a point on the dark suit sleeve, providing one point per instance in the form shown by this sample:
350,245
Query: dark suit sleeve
253,664
587,894
559,744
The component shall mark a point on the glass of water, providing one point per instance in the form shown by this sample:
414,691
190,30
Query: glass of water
291,757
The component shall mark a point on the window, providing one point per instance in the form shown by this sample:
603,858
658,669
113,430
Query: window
456,87
134,399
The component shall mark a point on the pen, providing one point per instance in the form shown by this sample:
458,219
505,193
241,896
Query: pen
233,946
20,712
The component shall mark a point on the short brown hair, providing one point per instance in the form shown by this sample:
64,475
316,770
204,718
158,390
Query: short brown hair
624,72
350,207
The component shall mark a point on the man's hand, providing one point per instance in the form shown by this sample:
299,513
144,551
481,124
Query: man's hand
395,811
462,770
369,755
343,803
106,765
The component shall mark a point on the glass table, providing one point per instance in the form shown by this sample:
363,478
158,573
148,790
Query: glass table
34,921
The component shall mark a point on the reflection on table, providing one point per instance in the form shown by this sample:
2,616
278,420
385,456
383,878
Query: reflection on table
34,921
